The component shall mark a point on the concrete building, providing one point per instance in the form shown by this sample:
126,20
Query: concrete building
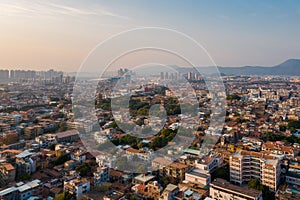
7,173
170,192
25,163
77,187
293,177
176,170
21,191
221,189
143,179
247,165
67,136
197,176
101,176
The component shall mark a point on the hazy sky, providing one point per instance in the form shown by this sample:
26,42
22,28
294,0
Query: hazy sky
59,34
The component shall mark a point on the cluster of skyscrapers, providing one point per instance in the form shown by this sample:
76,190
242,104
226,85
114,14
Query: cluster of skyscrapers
29,74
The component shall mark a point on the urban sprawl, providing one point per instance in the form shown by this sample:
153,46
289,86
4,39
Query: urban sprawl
42,156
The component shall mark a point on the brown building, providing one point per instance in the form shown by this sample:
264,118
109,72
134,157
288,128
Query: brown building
176,170
7,173
67,136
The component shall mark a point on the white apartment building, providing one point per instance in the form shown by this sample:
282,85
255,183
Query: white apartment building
77,187
101,176
201,174
247,165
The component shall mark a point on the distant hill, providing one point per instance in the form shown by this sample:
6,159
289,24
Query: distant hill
289,67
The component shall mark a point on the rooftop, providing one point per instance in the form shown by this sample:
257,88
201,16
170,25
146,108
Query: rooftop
7,191
8,166
234,188
24,154
171,187
66,133
178,165
144,178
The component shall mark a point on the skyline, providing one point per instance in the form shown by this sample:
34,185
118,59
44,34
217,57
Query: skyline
59,34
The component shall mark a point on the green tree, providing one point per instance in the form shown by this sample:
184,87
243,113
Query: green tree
61,159
63,196
282,127
222,172
83,169
255,184
24,177
52,147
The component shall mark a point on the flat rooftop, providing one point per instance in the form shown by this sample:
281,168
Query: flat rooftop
221,183
144,178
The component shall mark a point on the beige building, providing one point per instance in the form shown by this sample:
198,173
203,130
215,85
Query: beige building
176,170
221,189
247,165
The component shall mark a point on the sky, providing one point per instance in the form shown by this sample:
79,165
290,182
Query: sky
59,34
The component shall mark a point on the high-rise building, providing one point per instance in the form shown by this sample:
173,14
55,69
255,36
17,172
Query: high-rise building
162,77
166,76
247,165
4,74
190,75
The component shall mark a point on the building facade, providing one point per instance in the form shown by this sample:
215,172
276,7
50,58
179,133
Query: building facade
221,189
247,165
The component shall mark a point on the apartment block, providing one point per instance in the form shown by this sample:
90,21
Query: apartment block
21,191
101,176
77,187
247,165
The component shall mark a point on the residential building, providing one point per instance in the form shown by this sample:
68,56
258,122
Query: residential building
101,176
25,163
67,136
247,165
77,187
221,189
293,177
143,179
169,192
176,170
7,173
21,191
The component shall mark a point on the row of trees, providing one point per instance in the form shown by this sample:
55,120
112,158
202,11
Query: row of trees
279,137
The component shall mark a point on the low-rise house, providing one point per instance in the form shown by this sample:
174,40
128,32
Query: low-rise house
198,176
169,192
143,179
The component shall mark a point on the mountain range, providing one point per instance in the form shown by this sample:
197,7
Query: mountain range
290,67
